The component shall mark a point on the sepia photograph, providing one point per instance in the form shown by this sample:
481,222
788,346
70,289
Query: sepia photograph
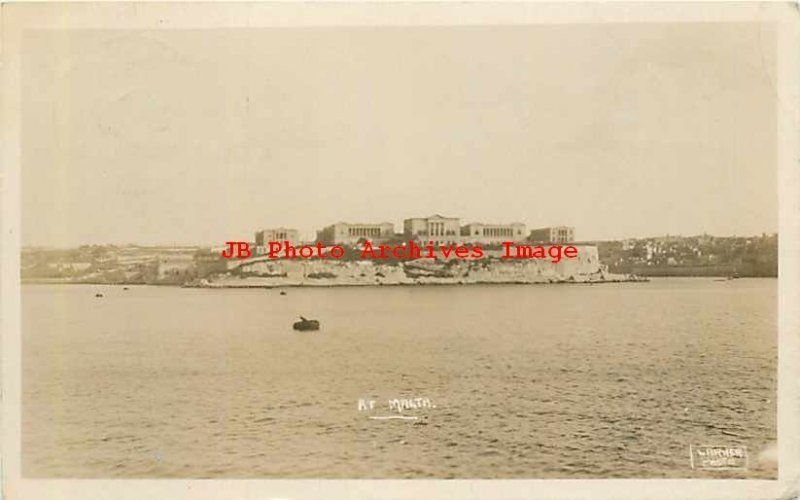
416,242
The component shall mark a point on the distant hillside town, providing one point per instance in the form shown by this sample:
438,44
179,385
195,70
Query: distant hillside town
704,255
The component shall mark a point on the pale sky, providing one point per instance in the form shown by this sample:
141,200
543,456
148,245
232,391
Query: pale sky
201,137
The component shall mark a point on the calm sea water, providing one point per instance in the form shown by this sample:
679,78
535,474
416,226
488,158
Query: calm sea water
574,381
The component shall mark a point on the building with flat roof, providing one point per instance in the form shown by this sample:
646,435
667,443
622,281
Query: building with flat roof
554,234
344,233
477,232
210,261
175,268
436,228
280,234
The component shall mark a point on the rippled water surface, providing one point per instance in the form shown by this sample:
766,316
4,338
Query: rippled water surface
613,380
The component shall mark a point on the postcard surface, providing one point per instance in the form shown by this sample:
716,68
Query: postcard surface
469,248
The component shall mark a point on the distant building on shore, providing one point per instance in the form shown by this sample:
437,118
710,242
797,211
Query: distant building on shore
343,233
493,233
264,236
210,261
175,268
436,228
554,234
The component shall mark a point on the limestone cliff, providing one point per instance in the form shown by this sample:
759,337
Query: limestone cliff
263,272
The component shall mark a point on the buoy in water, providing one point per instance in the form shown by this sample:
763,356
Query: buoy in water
306,324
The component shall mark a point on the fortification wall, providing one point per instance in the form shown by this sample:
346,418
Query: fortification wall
585,267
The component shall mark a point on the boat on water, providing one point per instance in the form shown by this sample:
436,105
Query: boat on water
306,324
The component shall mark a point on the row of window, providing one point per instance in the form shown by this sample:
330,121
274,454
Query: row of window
498,231
363,231
438,229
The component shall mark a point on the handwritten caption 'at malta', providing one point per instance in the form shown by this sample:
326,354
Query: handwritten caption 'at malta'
396,405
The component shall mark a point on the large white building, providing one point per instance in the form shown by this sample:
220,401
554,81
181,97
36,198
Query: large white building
279,234
493,233
343,233
436,228
555,234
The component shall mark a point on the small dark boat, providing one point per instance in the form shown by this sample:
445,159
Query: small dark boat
125,288
98,295
283,293
306,324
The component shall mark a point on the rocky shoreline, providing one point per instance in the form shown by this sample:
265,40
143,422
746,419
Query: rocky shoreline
248,283
210,271
255,283
270,273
